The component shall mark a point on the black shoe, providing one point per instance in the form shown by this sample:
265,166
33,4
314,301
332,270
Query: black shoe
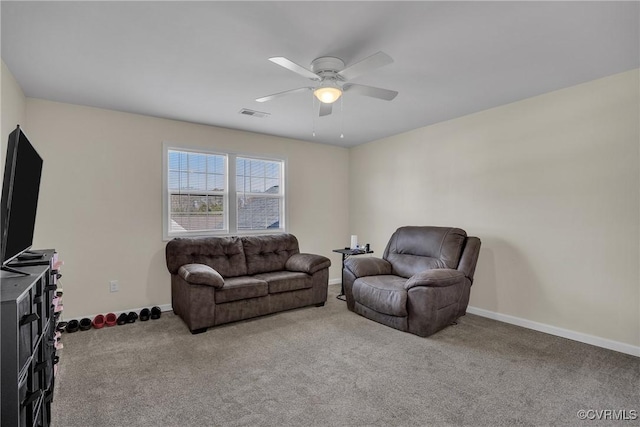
122,319
144,315
73,326
156,312
85,324
131,317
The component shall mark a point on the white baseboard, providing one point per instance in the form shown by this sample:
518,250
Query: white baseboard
560,332
335,281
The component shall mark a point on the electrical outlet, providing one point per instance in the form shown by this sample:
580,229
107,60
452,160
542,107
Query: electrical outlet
113,286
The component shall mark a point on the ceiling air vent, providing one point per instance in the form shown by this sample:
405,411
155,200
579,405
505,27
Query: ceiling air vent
254,113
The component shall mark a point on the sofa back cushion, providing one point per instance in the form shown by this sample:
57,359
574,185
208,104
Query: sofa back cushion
268,253
414,249
223,254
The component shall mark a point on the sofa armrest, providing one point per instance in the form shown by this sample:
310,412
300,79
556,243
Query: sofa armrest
200,274
367,266
435,278
307,263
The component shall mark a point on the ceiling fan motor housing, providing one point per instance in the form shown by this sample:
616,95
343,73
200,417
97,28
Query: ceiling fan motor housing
327,67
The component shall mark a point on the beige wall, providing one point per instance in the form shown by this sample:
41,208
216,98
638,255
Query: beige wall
12,107
100,202
550,184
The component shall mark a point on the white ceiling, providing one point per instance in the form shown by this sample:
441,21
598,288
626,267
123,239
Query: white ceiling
204,61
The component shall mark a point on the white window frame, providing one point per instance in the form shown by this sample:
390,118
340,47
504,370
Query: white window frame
230,195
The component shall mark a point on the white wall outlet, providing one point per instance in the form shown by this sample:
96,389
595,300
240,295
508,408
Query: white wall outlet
113,286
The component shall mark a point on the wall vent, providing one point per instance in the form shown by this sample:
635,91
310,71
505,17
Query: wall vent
248,112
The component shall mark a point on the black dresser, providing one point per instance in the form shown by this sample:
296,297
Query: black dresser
28,346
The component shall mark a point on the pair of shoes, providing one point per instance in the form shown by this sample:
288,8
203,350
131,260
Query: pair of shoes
156,312
111,319
99,321
127,318
72,326
85,324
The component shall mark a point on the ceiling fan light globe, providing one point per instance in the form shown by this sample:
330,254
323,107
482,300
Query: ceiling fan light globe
327,94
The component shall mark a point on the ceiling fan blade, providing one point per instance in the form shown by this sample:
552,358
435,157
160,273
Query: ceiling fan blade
374,92
325,109
292,66
372,62
286,92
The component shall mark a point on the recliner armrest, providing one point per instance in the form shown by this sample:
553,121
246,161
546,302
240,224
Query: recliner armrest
367,266
435,278
307,263
200,274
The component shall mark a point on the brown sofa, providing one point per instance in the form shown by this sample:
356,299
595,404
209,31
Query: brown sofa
421,284
216,280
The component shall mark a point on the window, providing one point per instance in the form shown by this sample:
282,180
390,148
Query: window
258,194
200,198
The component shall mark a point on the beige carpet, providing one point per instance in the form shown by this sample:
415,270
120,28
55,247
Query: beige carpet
329,367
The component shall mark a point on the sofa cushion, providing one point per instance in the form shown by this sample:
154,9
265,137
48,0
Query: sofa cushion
384,294
237,288
223,254
200,274
268,253
285,281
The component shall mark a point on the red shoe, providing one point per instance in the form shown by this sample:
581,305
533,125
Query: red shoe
98,322
111,319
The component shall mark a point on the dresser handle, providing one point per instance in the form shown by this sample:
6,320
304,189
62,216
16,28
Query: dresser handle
32,397
28,318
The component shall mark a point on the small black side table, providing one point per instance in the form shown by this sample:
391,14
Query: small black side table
346,253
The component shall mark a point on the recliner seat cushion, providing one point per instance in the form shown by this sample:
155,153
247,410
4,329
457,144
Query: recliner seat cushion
237,288
285,281
384,294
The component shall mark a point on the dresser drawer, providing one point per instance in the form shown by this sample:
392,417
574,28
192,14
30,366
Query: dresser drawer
28,330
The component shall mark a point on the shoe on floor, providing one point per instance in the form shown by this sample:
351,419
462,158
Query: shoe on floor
132,316
156,312
98,321
110,319
122,319
85,324
73,326
144,314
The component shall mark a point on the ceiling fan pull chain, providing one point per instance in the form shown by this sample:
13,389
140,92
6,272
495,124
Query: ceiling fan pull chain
342,117
313,114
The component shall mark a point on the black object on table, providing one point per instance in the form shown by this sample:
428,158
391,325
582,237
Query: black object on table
346,253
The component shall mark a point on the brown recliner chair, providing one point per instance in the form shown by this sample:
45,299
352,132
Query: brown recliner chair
421,284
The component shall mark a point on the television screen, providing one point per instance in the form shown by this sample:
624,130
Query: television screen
20,189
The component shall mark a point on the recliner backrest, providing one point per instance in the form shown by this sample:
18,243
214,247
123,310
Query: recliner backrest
414,249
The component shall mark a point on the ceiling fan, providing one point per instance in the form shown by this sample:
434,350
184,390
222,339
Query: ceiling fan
333,78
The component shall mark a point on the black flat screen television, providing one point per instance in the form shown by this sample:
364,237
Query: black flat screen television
20,189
